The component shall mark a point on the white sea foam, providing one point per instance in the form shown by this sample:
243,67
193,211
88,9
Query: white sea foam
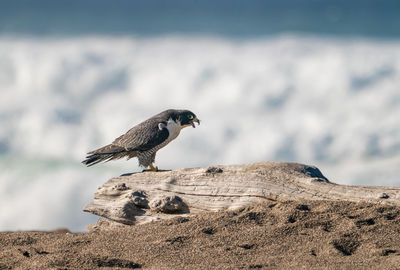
333,103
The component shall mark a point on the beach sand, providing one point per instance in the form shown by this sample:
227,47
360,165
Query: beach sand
273,235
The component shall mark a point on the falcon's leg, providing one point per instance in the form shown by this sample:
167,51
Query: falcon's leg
152,168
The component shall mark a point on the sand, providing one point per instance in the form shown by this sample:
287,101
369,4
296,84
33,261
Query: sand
274,235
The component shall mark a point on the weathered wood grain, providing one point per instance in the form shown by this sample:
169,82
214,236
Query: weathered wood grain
147,196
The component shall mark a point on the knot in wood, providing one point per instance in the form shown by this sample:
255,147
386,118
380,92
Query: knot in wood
214,170
167,204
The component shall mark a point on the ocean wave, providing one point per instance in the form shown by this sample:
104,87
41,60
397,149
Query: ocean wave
330,102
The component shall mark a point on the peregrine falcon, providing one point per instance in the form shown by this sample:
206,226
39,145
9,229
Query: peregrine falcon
145,139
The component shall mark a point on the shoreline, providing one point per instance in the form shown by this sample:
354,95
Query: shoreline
272,235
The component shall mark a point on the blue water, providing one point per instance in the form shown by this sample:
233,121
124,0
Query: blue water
314,82
235,18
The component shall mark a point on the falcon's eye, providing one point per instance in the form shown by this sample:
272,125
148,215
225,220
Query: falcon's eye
190,117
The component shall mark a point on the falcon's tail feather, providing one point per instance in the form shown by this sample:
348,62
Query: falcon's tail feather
96,158
107,153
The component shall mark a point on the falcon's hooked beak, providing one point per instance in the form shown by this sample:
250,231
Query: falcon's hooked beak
194,120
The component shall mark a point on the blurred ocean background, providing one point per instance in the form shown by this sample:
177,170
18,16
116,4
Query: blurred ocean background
315,82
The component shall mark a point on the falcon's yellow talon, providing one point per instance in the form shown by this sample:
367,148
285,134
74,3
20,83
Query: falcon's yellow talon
152,168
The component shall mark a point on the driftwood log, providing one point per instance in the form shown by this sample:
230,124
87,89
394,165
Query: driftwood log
142,197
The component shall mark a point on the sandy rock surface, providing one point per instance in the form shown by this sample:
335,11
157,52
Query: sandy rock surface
256,216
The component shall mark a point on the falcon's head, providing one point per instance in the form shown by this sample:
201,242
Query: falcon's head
187,118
